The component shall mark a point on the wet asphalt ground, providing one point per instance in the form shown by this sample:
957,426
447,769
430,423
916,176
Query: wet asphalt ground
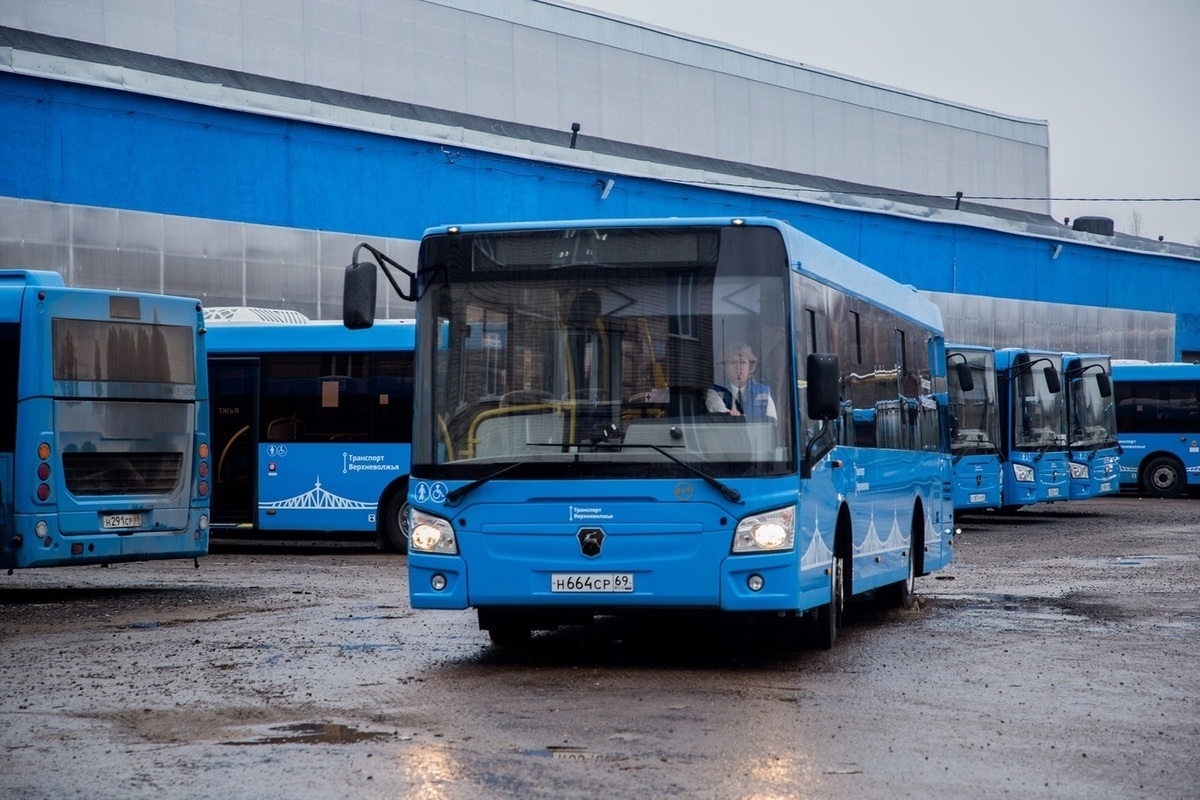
1057,657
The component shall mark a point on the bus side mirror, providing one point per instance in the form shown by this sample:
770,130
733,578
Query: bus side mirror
1053,385
1104,384
824,386
358,296
966,381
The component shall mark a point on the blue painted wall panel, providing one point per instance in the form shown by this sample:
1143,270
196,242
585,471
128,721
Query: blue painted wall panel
69,143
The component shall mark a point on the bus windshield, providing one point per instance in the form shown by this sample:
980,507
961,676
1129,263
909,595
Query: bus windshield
975,425
1040,421
1093,416
618,352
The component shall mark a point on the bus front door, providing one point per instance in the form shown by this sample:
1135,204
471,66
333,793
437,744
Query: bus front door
233,384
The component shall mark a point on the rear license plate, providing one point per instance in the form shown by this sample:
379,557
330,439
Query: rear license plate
978,498
602,582
133,520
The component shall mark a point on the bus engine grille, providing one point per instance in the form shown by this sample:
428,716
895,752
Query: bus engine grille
91,474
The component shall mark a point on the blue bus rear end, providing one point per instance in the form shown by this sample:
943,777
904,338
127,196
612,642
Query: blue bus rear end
105,441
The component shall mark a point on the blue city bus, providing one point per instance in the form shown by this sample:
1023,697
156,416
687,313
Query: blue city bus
312,425
974,427
1158,426
103,425
1033,436
1094,456
603,475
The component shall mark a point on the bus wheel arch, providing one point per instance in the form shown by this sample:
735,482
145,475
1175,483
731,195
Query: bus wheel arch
393,524
903,593
823,621
1162,476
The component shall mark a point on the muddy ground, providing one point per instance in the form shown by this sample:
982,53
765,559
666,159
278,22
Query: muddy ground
1057,657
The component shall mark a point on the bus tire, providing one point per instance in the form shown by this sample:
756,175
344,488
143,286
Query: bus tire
506,629
1163,477
826,619
395,520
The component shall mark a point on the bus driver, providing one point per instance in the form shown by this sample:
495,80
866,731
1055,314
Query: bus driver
741,395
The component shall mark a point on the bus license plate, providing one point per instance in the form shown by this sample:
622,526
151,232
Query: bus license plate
133,520
978,498
1053,492
603,582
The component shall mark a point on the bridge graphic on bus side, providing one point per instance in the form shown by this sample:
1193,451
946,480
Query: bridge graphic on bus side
318,498
873,544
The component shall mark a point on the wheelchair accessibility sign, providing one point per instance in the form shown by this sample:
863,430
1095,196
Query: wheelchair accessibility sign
430,492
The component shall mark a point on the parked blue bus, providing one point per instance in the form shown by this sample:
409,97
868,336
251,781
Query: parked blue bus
103,425
1094,456
1033,434
1158,426
611,473
312,425
974,427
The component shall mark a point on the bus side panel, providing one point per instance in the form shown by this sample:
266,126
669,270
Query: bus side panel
330,486
1137,449
881,495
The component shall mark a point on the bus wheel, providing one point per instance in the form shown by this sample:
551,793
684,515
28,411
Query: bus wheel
395,521
506,629
826,619
1163,477
901,594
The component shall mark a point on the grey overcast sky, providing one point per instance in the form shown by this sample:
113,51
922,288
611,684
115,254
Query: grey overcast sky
1118,81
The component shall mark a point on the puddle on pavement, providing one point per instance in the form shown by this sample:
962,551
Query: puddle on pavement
1040,607
316,733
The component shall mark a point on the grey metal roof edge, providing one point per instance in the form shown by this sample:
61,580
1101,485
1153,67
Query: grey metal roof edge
580,22
24,52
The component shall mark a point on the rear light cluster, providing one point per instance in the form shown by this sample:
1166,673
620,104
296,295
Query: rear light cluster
43,472
202,470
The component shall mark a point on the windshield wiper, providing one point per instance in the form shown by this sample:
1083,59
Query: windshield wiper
455,495
731,494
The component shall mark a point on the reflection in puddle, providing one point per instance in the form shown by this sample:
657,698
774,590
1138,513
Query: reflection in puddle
316,733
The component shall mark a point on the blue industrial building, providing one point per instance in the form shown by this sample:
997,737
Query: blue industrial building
241,161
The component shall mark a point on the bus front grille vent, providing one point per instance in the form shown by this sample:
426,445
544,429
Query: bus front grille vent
92,474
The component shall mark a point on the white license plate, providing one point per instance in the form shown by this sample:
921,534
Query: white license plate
978,498
1052,493
133,520
603,582
1106,487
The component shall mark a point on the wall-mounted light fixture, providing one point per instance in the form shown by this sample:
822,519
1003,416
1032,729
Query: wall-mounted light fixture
607,188
1057,250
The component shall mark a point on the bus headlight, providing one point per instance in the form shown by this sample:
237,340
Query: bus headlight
1079,471
774,530
431,534
1022,473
